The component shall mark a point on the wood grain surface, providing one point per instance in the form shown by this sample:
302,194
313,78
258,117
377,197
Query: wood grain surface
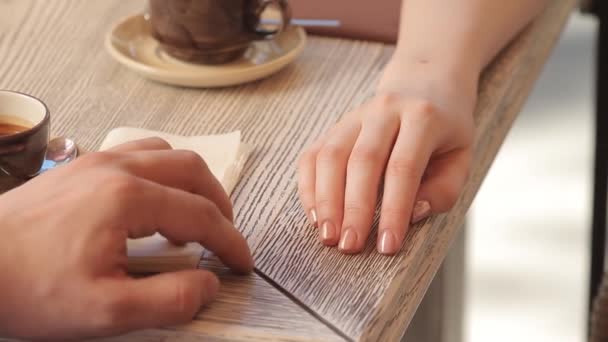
54,50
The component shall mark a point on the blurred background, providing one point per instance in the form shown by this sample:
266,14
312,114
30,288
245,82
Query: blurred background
528,237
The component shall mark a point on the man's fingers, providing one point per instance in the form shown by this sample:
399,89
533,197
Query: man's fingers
153,302
145,207
179,169
148,144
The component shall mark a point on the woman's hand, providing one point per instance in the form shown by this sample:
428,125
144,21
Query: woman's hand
413,140
63,248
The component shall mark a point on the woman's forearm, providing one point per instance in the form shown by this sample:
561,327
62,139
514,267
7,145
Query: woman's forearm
460,34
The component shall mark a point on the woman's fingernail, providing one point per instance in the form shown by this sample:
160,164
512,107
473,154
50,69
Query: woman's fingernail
313,217
387,243
328,233
422,210
348,243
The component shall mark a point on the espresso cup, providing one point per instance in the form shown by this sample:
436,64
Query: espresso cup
212,31
24,135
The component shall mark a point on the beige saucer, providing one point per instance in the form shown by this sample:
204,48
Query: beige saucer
131,43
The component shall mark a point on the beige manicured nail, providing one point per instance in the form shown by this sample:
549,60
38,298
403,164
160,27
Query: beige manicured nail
328,233
313,216
387,243
348,243
422,210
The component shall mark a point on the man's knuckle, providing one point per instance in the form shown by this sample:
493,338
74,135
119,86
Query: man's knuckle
183,300
191,160
111,313
94,160
160,142
121,186
211,211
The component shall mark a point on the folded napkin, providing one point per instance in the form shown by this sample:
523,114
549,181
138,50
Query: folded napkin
225,156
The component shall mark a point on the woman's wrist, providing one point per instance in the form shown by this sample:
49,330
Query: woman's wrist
448,85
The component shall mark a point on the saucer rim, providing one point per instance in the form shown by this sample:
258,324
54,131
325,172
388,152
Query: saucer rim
186,78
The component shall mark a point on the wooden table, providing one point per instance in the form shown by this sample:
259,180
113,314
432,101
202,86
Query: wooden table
301,290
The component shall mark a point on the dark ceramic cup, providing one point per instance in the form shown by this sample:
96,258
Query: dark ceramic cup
212,31
24,136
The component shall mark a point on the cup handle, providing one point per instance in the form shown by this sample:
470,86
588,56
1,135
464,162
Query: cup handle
283,5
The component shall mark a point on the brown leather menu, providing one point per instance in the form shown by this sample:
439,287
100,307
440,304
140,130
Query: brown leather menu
360,19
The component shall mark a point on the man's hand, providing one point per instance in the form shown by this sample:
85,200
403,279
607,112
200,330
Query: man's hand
63,247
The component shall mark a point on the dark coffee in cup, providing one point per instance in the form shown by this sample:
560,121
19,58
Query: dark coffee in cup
24,136
211,31
11,124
